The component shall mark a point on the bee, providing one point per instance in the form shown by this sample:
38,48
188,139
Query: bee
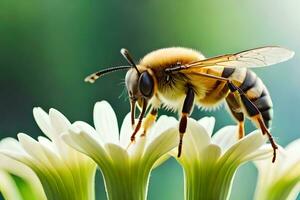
178,78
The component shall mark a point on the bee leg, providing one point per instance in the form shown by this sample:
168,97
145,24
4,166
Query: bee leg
132,112
138,125
241,132
255,115
149,120
186,110
236,111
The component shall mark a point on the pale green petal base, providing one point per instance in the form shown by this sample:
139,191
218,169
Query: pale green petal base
126,183
8,187
281,190
286,187
215,182
125,172
61,179
125,166
209,165
280,180
61,184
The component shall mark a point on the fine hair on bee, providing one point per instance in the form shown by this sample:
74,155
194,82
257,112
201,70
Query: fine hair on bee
178,78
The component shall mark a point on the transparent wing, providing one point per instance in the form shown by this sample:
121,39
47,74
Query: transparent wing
259,57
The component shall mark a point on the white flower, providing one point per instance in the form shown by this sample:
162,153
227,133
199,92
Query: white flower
280,180
125,169
8,187
63,172
209,163
10,170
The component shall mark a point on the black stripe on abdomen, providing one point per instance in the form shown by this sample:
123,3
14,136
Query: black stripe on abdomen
227,72
263,100
265,106
249,81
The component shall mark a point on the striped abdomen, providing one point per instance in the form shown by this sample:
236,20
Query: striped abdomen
254,89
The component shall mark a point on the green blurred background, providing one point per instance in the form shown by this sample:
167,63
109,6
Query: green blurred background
47,47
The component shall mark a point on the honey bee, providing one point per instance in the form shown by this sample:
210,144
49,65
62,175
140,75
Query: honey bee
178,78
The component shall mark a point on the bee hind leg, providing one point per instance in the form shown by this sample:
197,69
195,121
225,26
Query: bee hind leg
241,131
237,113
186,110
255,115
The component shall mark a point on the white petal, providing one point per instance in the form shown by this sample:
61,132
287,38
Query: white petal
294,193
199,134
51,154
11,165
210,154
85,127
43,121
136,149
189,154
20,157
105,121
11,144
86,144
270,173
208,123
19,169
161,145
46,142
58,121
163,123
225,137
8,187
195,140
126,131
118,155
32,147
292,150
244,147
286,162
262,153
189,147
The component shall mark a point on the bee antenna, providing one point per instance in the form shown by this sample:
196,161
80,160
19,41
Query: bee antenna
93,77
125,53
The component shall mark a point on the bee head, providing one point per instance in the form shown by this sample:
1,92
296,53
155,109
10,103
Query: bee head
139,85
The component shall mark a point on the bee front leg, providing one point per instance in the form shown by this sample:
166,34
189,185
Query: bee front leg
140,120
149,120
186,110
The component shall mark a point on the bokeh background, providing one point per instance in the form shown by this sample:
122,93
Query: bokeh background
47,47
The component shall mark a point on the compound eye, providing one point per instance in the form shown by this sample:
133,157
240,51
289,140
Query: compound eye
146,84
